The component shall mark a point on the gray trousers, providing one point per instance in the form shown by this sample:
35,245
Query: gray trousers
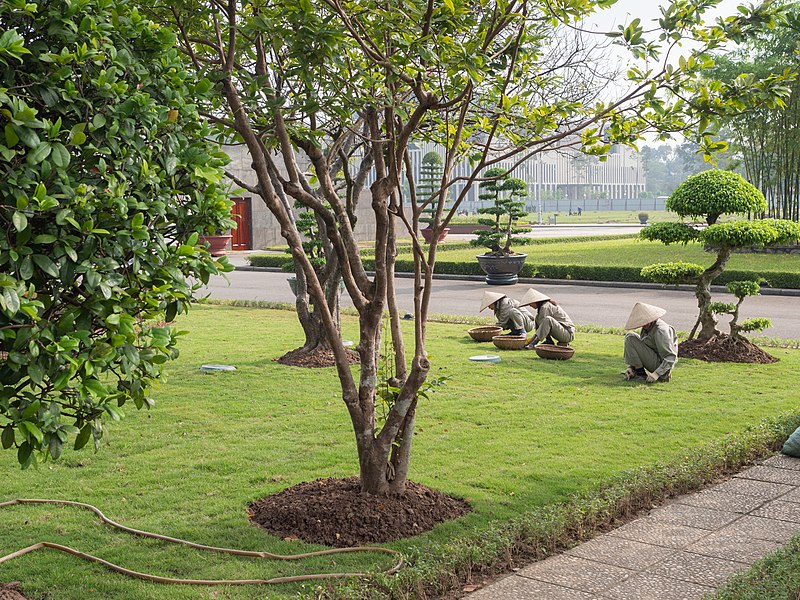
638,355
550,327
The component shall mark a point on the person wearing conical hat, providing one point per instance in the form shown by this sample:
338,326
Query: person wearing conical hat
551,321
508,313
651,354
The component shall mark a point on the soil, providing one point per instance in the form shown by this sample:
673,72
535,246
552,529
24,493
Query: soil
724,348
336,513
315,359
10,591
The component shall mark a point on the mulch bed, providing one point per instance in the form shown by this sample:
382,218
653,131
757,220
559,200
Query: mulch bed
10,591
315,359
724,348
336,513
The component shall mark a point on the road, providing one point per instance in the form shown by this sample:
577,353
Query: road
587,305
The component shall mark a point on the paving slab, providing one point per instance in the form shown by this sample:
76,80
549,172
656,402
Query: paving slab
681,551
725,501
576,573
618,551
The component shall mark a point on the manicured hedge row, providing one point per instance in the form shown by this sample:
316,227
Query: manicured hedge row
568,272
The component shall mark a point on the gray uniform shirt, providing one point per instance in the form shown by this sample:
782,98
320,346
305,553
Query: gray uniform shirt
661,338
554,310
511,315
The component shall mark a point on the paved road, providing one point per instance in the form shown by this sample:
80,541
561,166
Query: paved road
585,304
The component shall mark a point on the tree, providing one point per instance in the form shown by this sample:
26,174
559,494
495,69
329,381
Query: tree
430,186
709,195
107,181
502,191
765,141
740,290
329,95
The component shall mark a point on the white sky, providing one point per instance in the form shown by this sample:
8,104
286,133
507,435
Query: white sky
625,11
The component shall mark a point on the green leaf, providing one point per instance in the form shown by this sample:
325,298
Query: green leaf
45,264
19,220
32,429
40,153
83,437
60,155
7,437
95,387
11,300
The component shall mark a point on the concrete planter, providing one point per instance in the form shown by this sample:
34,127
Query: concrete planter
502,270
427,233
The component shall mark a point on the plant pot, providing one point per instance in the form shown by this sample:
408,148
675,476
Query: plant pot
217,244
427,233
643,220
501,270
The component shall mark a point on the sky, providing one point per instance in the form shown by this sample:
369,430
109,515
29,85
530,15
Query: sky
626,10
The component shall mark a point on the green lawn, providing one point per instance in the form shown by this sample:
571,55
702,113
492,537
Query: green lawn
589,217
508,437
632,252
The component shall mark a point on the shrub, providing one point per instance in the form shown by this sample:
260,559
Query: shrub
712,193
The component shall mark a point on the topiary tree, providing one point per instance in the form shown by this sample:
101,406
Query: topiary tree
430,186
710,194
107,180
741,290
502,190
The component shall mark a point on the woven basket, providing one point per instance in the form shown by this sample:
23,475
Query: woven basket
484,334
551,352
510,342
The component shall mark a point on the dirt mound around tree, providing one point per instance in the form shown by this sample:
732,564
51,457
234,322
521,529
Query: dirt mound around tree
10,591
724,348
336,513
315,359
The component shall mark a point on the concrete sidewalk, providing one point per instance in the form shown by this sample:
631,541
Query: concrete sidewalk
680,551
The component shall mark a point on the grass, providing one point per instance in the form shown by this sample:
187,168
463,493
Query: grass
632,252
774,577
588,217
215,442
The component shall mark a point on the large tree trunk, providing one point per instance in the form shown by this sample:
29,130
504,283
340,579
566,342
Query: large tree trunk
310,316
708,322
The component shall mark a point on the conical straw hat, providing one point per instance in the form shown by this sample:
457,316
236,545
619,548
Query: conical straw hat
490,298
532,296
642,314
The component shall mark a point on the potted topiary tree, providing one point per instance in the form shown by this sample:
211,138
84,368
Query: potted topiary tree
430,183
501,264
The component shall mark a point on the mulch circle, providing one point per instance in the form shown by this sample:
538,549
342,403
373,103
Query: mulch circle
724,348
10,591
335,512
315,359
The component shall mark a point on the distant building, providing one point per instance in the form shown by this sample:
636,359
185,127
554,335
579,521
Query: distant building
558,179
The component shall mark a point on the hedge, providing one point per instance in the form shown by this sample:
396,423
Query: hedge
773,279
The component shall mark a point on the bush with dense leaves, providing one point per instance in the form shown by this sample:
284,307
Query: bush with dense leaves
712,193
107,180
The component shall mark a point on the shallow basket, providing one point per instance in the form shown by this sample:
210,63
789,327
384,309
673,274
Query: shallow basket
484,334
510,342
552,352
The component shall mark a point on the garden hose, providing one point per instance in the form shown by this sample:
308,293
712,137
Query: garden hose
157,579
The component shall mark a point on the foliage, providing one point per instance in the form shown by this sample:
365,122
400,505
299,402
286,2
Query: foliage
765,142
502,190
774,577
107,179
167,474
670,233
712,193
430,182
312,243
672,273
328,95
741,234
754,324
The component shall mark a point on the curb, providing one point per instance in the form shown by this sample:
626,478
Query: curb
765,291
